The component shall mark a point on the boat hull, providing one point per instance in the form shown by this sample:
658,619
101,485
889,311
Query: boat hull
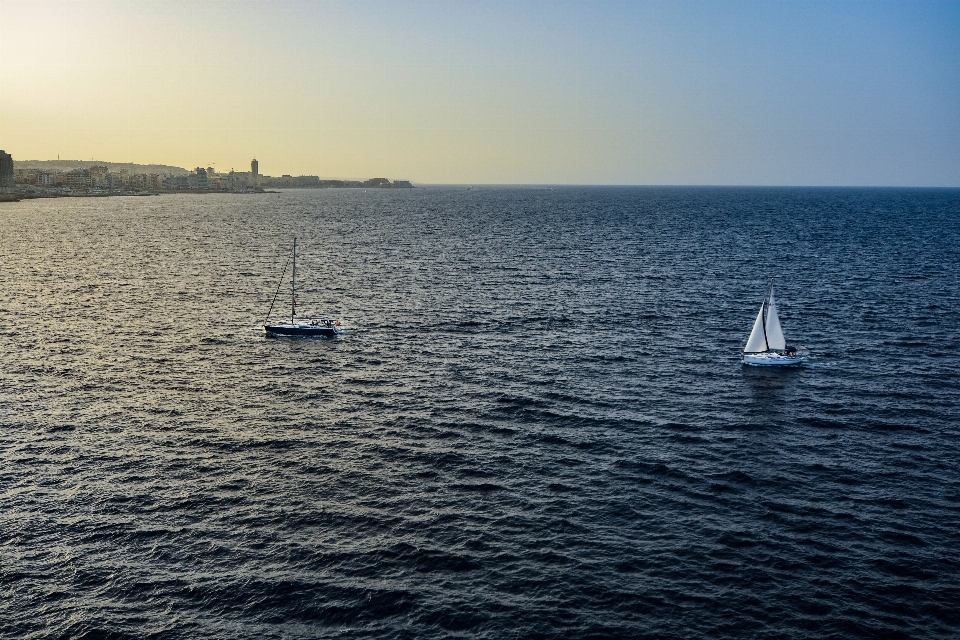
301,330
771,359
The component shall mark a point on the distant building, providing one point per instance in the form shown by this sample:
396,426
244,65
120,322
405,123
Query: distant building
77,179
33,177
6,170
198,179
99,176
255,170
237,180
25,176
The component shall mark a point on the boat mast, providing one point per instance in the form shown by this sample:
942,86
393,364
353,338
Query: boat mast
293,284
766,302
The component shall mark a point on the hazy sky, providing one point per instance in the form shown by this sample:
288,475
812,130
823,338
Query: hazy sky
839,93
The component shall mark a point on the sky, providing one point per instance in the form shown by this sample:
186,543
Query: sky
731,93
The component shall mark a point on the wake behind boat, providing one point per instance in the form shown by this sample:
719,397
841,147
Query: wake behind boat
767,345
323,327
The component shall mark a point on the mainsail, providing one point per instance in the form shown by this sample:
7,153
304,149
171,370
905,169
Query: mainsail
767,333
775,339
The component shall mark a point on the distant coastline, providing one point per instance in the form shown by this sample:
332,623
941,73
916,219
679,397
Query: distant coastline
77,178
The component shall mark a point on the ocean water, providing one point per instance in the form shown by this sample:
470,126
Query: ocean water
536,424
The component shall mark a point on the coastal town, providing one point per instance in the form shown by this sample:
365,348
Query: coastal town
49,179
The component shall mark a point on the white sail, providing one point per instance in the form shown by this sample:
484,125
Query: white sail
756,342
775,339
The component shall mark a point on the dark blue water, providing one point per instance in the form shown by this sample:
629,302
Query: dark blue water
537,424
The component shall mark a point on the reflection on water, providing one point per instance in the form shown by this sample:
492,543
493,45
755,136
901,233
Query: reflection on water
535,424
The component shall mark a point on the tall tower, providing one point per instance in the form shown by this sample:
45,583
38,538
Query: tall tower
255,170
6,170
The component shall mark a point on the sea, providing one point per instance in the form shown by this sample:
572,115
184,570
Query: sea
535,424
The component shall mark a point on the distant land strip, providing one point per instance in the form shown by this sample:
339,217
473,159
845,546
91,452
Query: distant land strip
59,178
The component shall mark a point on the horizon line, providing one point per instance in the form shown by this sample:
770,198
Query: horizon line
559,184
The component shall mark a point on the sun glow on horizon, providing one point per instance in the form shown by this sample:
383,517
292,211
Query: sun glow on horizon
612,93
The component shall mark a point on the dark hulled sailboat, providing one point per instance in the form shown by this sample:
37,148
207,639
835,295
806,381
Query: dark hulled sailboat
322,327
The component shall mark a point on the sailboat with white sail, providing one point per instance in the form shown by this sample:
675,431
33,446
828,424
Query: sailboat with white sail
312,326
767,345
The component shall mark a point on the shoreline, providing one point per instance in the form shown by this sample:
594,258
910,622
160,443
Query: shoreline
37,195
139,194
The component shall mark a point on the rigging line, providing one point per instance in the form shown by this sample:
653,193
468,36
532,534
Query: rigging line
765,343
764,309
278,291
